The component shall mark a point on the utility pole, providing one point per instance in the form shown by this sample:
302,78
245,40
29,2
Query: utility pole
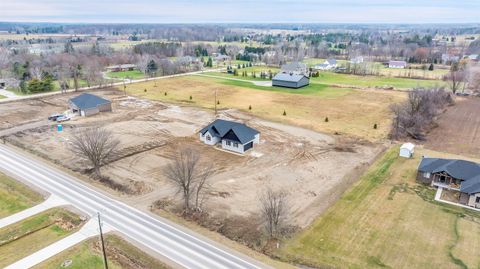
215,102
124,88
105,264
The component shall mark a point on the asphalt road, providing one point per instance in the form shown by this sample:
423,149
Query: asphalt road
184,248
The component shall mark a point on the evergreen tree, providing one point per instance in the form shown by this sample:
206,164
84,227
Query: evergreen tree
209,62
152,67
431,67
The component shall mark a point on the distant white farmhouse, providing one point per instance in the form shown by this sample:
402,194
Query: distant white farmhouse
407,150
357,60
329,64
233,136
397,64
121,67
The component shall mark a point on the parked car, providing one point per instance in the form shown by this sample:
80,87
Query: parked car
54,116
63,118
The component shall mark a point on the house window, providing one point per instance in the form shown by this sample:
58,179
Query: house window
208,138
228,143
477,200
426,175
235,144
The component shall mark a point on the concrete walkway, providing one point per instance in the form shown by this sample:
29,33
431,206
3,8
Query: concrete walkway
90,229
438,196
7,94
51,202
255,82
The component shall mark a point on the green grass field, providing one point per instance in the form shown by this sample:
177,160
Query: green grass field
343,80
32,234
135,74
120,255
346,80
15,196
321,90
2,97
387,220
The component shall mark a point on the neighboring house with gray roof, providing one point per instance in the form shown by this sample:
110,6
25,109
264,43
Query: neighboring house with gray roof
295,68
294,81
456,175
397,64
232,136
329,64
87,104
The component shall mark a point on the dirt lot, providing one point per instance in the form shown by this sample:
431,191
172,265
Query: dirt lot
350,112
312,167
458,130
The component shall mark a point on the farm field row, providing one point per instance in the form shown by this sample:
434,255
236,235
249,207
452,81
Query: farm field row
387,220
352,112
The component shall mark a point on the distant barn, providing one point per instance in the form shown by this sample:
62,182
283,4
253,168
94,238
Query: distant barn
293,81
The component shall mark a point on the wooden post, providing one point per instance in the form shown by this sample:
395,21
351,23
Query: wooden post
215,102
105,264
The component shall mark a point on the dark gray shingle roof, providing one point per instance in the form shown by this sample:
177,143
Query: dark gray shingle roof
87,101
288,77
220,128
467,171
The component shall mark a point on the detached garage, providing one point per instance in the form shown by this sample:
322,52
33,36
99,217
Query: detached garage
88,104
290,80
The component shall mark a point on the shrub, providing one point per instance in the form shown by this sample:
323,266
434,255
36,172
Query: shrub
250,107
284,113
191,97
375,126
326,119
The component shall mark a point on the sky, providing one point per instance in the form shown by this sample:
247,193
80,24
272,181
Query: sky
241,11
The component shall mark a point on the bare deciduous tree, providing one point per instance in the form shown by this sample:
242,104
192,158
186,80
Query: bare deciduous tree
189,177
413,116
273,205
95,145
455,77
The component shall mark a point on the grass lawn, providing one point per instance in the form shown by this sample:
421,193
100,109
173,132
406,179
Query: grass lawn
2,97
352,112
346,80
312,89
120,255
24,238
15,196
387,220
135,74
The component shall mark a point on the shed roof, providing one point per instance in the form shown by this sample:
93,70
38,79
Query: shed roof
408,146
88,100
399,63
467,171
288,77
221,128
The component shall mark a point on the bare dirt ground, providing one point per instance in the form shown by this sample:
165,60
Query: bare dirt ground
458,130
313,168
